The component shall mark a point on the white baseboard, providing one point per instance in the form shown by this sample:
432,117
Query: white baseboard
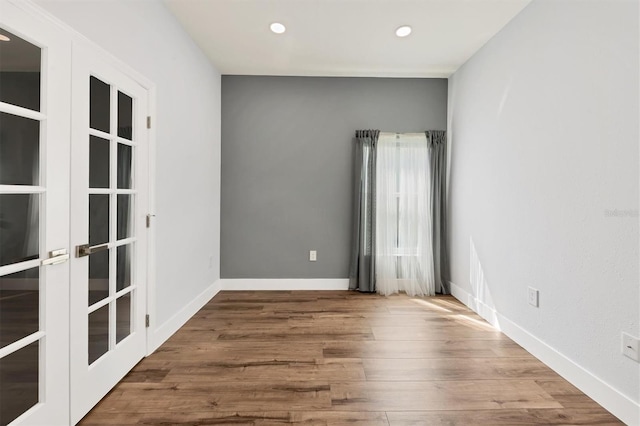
285,284
161,334
604,394
485,311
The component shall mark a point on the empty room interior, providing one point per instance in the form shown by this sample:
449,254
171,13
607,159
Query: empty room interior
319,212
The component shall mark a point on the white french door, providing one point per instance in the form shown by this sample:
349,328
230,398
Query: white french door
109,199
35,64
73,204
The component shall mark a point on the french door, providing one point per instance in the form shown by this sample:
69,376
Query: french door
73,204
109,202
35,63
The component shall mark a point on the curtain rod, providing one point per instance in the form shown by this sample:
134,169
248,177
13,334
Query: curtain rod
367,132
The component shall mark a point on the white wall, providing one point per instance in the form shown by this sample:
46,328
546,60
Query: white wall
144,35
544,133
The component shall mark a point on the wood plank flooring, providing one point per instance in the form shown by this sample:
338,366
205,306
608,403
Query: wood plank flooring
342,358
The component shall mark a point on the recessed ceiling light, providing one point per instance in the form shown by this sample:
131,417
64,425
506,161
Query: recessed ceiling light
277,28
4,38
403,31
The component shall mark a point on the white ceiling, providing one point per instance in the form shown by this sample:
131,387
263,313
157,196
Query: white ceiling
343,37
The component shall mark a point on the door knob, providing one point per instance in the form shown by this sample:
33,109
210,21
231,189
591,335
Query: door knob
86,250
55,257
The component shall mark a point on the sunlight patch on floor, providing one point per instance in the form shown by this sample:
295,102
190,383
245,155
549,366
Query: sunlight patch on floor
430,305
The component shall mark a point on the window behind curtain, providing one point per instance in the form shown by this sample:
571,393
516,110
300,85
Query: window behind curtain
404,253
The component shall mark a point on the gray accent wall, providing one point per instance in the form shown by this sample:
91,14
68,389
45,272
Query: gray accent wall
287,165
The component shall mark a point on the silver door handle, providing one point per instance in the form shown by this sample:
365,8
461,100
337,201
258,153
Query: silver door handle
55,257
86,250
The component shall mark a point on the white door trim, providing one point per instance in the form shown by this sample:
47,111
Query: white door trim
151,231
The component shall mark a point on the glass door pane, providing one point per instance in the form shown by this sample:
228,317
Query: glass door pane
19,306
19,149
19,227
20,67
99,272
98,333
19,372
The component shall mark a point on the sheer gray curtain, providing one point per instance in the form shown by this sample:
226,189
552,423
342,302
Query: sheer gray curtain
437,145
362,274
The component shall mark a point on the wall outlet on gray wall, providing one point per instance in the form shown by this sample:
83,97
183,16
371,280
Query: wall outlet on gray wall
313,256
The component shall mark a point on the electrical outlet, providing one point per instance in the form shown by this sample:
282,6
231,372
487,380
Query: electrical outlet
533,296
313,256
631,346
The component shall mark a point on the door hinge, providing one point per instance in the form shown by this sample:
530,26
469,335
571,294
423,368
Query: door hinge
149,216
148,121
146,320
